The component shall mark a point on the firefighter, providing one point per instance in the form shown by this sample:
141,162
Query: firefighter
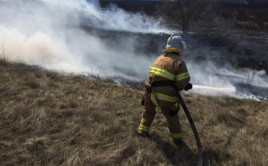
167,71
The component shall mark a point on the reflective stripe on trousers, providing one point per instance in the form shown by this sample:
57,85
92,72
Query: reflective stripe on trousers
177,135
161,96
144,128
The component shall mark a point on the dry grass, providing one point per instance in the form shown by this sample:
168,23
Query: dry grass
55,119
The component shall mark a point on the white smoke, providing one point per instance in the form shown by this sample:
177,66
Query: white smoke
48,33
59,35
211,78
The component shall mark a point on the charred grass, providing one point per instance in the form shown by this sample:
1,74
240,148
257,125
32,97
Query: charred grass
48,118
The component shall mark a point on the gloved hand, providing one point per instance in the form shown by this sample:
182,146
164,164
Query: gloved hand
188,86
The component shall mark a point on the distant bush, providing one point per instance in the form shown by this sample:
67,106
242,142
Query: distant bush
202,14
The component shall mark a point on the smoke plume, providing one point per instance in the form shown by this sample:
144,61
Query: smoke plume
77,36
49,34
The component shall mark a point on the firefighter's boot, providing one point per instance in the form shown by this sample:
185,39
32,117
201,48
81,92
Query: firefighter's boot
143,134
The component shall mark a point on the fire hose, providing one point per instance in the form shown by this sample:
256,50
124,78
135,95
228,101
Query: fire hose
196,135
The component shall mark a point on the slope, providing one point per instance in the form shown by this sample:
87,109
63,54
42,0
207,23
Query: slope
49,118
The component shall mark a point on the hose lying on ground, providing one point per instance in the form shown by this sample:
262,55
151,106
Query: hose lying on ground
196,136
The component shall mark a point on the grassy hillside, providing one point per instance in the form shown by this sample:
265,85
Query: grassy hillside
55,119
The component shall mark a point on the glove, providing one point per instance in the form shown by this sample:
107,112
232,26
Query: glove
188,86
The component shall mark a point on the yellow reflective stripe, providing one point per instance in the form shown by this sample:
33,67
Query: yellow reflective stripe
179,135
176,104
146,127
161,96
162,73
171,48
182,76
143,128
154,100
164,97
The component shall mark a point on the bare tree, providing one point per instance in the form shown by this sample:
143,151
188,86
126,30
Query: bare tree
184,12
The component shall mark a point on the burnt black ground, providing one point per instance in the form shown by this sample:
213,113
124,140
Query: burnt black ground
237,50
240,52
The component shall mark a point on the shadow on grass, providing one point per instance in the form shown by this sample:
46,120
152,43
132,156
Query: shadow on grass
180,155
177,154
